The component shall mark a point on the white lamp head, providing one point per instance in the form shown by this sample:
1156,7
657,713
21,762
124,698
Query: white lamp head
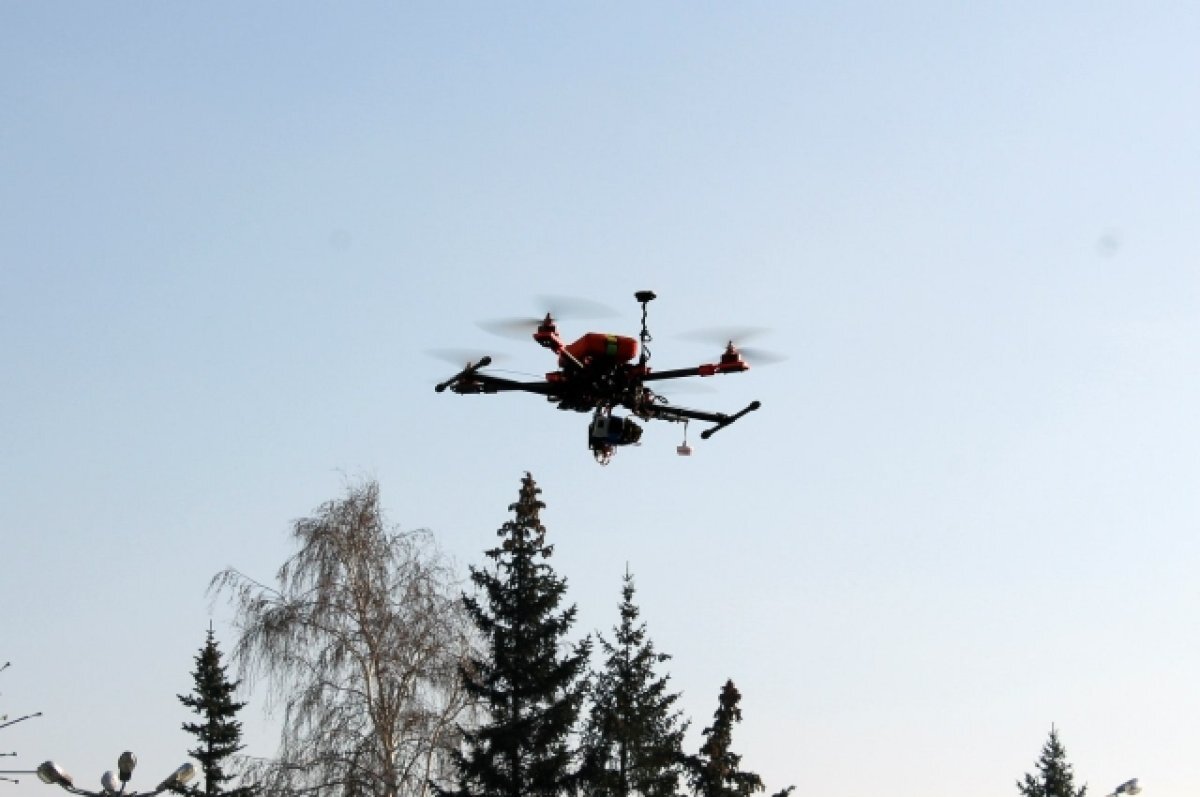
180,776
50,772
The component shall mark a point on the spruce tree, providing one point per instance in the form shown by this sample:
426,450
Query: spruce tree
1054,777
218,732
716,771
530,687
632,741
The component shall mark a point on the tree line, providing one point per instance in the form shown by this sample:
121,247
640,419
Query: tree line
391,681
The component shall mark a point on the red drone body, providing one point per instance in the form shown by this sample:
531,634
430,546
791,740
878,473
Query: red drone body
600,372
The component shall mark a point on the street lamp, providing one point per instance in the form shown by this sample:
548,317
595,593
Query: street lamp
4,723
1128,787
114,784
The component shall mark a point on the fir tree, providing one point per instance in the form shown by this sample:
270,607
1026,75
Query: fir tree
218,732
716,771
633,736
1054,778
530,688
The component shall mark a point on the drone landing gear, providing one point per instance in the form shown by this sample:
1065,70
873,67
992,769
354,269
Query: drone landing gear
721,424
685,450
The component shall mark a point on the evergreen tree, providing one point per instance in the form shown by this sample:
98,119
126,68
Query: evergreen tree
529,687
1054,778
716,771
218,732
632,741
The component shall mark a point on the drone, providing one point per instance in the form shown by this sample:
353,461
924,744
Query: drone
599,373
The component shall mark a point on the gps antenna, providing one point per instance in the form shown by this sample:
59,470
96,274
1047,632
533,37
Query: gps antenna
645,297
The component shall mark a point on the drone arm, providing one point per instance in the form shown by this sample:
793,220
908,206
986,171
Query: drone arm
721,420
493,384
654,376
469,381
729,364
486,383
668,413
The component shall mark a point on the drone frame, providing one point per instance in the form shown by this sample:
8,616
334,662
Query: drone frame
591,380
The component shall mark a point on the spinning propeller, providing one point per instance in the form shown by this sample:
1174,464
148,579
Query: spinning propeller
557,307
462,357
733,336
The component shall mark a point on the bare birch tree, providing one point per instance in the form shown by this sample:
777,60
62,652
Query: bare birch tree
360,642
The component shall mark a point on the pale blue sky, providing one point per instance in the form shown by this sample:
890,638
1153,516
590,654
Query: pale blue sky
967,510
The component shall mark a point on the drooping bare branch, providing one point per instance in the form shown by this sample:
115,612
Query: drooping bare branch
359,642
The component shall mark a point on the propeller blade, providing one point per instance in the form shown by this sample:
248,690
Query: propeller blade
461,357
719,336
574,307
558,307
723,336
757,356
516,328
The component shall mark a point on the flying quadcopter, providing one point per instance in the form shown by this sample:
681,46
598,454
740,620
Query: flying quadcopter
600,372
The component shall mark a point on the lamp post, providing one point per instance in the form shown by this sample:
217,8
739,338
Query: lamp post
6,722
114,784
4,773
1128,787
